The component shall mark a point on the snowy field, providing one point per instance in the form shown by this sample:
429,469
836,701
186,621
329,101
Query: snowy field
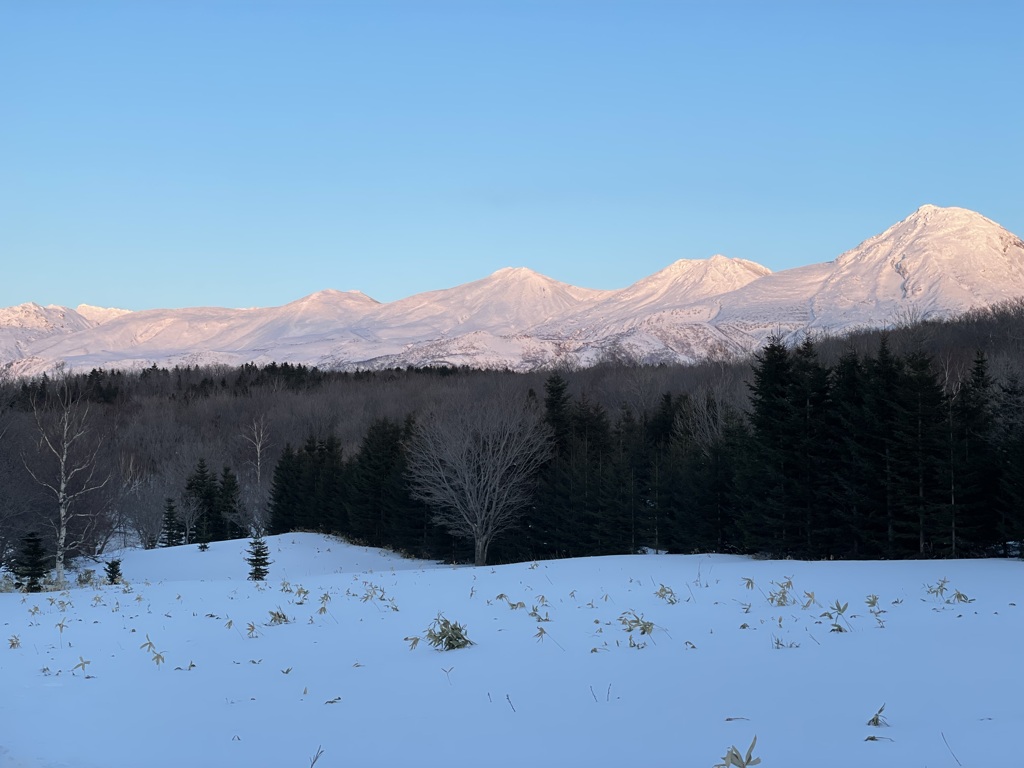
190,664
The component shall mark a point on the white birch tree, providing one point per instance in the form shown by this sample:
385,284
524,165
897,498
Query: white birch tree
68,464
256,435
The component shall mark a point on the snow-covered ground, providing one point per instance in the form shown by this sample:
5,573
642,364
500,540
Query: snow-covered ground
185,665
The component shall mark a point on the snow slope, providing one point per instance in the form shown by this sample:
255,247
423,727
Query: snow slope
186,667
935,262
25,324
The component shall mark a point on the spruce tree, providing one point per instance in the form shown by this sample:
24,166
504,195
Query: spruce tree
285,493
920,450
972,524
851,478
228,505
172,533
770,523
379,509
883,417
258,558
201,491
30,562
813,447
1010,439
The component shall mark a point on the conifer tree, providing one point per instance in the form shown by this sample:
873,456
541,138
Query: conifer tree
972,524
201,492
920,450
228,506
813,446
285,493
883,416
1010,438
850,478
258,558
541,520
30,562
769,520
380,510
172,532
618,527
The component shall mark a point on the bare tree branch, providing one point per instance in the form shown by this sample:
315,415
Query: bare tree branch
65,435
474,464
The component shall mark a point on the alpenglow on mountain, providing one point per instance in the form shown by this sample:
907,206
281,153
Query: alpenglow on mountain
936,262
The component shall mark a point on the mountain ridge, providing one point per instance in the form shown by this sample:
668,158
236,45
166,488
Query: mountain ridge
935,262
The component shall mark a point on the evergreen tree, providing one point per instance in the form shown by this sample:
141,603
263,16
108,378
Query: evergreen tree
30,563
920,450
201,492
770,522
557,410
285,493
172,533
972,520
541,522
883,416
850,480
227,506
380,510
813,447
620,520
1009,438
574,531
309,489
258,558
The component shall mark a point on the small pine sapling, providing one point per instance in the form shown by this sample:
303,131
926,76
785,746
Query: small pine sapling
113,571
258,558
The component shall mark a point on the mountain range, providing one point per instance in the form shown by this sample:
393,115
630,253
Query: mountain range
936,262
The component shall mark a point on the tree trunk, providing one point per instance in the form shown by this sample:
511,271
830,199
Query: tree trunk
480,550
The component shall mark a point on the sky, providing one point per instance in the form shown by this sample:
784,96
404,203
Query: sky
219,153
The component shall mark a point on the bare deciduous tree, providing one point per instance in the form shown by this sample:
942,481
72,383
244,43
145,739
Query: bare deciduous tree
255,487
69,460
474,464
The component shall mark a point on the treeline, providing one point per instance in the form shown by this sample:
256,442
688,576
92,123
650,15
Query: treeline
874,457
897,444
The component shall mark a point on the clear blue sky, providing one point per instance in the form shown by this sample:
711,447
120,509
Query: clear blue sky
207,152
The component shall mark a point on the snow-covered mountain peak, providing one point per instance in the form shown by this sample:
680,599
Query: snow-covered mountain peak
332,297
100,315
939,232
688,280
504,302
935,261
50,318
520,273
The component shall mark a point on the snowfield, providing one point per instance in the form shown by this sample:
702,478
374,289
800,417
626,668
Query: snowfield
186,664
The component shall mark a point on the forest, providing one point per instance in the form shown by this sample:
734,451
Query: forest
902,443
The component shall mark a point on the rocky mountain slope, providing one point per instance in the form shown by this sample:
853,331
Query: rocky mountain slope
936,261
